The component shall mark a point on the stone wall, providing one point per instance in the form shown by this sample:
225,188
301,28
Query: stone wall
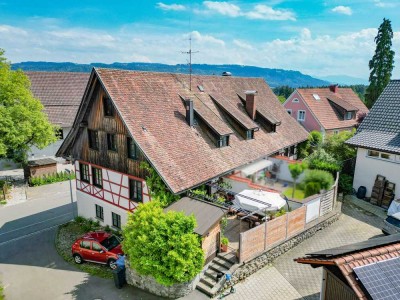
148,283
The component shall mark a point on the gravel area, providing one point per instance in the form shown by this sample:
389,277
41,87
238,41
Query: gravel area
66,236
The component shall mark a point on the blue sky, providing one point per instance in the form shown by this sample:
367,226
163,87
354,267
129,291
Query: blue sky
319,38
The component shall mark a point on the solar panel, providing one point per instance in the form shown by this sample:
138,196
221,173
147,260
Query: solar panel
381,280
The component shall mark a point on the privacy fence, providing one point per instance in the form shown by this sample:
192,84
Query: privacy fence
259,239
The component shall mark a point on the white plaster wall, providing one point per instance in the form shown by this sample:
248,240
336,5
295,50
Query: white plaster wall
49,151
86,208
367,168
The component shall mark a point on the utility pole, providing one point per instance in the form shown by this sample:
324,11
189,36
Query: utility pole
190,52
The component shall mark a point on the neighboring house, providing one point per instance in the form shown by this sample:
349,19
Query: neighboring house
366,270
61,94
208,217
328,110
378,141
190,137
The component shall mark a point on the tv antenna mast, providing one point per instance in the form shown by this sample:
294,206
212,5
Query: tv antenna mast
190,52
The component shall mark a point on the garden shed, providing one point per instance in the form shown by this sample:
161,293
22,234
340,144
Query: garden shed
208,217
39,167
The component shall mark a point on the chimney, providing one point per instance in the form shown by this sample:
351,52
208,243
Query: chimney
189,112
334,88
251,103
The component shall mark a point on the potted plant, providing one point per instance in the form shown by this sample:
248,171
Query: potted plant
224,244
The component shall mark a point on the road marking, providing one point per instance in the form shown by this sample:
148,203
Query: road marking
32,233
30,225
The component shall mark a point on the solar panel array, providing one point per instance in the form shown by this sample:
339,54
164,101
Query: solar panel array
382,279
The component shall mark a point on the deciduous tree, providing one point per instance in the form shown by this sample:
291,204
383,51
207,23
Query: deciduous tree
22,121
163,245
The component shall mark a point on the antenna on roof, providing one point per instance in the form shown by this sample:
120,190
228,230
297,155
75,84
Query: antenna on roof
190,52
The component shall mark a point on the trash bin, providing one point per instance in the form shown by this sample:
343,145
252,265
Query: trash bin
361,192
119,277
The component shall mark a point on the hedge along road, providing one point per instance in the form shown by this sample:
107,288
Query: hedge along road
30,267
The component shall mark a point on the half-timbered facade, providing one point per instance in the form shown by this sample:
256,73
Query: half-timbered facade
189,137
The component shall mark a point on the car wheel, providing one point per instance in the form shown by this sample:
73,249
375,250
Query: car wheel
112,264
78,259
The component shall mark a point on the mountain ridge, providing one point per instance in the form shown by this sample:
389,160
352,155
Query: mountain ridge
274,77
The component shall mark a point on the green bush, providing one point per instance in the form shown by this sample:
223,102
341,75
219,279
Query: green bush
51,178
312,188
324,178
225,241
345,184
163,245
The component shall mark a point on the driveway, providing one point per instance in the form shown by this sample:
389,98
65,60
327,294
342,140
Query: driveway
286,279
30,267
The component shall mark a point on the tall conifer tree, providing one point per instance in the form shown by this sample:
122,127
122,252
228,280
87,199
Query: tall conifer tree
381,64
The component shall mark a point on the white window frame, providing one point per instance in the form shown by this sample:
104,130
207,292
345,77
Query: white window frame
289,111
347,115
393,158
295,100
298,115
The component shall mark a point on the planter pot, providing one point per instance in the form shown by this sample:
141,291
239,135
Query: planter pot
224,248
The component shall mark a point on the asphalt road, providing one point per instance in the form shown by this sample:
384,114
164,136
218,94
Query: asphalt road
30,267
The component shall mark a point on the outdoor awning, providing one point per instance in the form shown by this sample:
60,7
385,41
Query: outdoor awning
254,200
255,167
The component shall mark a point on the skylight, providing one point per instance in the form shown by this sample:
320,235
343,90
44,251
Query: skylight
316,97
200,87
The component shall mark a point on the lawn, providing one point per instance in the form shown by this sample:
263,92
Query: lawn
298,194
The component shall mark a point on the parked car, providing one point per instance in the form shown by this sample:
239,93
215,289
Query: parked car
391,224
98,247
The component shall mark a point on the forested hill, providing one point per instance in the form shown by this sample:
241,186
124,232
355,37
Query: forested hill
274,77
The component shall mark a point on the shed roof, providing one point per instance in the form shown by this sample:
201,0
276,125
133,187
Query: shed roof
206,214
380,129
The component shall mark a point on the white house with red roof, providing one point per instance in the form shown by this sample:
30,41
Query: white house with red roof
328,110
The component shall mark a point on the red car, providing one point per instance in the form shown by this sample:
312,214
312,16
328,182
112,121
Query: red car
99,247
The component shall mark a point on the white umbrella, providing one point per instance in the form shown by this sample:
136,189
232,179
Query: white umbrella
253,200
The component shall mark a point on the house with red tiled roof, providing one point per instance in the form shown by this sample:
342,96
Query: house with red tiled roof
328,110
366,270
61,94
190,136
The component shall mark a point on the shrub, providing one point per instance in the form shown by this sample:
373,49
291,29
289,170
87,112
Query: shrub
163,245
345,184
324,178
51,178
225,241
312,188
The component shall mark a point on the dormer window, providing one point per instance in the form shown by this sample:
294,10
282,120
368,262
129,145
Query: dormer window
223,141
348,115
249,134
108,107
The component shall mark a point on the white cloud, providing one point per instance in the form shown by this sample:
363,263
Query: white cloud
258,12
174,7
345,10
242,44
264,12
223,8
379,3
319,55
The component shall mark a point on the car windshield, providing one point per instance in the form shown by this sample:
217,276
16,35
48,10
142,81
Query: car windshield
110,242
393,221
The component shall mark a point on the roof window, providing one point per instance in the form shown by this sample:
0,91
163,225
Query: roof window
316,97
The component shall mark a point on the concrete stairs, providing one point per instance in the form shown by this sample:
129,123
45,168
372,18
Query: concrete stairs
213,278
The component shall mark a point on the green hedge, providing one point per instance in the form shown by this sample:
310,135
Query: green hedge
51,178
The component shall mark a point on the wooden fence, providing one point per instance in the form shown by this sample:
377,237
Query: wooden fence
259,239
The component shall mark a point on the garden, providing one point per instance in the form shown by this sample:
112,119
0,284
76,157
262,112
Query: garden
51,178
321,160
